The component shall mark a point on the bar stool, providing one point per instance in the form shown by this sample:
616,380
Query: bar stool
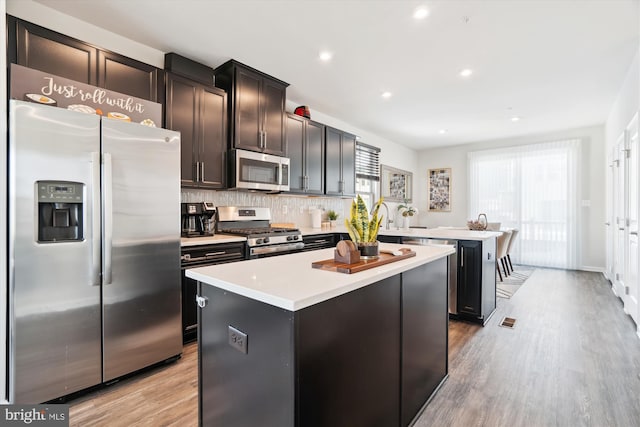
501,252
514,234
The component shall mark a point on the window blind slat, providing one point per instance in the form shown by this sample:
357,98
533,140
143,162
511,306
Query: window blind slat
367,161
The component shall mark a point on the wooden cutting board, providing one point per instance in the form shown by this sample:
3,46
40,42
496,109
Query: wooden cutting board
364,264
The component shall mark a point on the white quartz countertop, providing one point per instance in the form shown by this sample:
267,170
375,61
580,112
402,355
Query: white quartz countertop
442,233
289,281
427,233
211,240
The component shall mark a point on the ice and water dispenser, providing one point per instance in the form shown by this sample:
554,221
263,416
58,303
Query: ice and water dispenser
60,209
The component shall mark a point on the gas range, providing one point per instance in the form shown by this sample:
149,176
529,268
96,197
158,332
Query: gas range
262,239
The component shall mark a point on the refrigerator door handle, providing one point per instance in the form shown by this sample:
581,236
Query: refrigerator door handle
95,219
107,194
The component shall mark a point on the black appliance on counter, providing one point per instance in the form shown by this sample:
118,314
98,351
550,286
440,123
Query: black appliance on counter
262,239
198,219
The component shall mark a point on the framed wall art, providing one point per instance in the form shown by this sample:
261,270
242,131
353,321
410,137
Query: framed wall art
396,184
440,190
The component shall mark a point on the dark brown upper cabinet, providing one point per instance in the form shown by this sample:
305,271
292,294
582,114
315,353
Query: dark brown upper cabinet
126,75
305,149
42,49
256,108
199,113
340,170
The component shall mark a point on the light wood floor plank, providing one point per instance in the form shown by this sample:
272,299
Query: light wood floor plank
573,359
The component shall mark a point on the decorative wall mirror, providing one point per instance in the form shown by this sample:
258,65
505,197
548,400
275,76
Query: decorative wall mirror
396,184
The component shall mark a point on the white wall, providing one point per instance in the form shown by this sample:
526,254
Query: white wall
592,185
626,105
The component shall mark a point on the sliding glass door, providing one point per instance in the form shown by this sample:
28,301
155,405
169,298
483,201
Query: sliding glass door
533,188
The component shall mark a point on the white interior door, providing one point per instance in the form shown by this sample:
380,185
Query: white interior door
619,217
609,215
631,235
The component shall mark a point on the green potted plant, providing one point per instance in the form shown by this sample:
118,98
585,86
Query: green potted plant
332,216
363,230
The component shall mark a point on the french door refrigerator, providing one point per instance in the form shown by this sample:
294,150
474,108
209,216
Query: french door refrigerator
94,250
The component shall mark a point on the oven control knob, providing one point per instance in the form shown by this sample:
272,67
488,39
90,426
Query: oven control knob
265,240
296,237
259,241
289,237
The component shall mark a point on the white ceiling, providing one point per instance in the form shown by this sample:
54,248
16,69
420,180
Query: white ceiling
558,64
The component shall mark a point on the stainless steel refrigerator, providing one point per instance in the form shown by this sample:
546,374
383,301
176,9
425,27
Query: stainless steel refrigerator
94,250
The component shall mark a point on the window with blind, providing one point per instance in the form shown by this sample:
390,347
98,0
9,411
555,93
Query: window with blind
367,172
533,188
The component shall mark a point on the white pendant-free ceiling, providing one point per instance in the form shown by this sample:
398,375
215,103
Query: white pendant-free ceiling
553,64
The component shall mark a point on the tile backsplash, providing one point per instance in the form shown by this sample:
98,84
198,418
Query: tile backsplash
284,208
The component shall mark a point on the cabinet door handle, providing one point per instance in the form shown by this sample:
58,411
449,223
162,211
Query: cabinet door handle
197,178
201,301
306,183
264,144
633,233
462,257
202,172
212,254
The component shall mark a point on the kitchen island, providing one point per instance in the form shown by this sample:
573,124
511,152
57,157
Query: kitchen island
472,283
283,344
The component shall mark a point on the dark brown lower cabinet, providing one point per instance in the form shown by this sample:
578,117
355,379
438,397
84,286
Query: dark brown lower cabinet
371,357
476,280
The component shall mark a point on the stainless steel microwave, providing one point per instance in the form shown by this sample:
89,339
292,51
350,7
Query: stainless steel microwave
258,171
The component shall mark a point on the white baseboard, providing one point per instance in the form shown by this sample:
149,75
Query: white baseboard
594,269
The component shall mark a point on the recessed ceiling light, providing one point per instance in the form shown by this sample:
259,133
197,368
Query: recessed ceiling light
325,55
386,95
515,119
466,72
442,131
421,12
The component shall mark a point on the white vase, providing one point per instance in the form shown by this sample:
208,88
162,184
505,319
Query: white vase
406,222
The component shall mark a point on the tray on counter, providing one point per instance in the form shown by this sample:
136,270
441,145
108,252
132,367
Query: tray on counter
363,264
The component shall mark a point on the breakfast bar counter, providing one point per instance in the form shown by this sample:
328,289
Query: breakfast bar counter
283,344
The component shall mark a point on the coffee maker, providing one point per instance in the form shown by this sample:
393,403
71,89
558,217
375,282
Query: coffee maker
198,219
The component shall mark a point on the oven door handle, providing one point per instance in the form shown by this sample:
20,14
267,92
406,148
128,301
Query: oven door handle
260,250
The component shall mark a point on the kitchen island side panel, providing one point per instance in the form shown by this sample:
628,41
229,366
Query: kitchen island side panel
425,323
348,360
238,389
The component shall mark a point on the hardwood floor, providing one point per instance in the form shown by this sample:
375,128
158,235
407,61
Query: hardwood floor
164,396
573,359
